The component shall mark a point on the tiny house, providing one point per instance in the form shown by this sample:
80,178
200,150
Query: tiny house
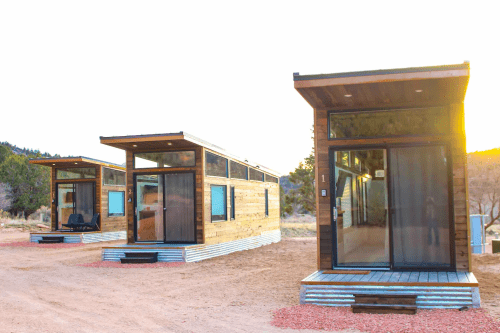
85,186
188,200
391,185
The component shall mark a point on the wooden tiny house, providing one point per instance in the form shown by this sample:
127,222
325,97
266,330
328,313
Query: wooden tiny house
391,182
189,200
81,185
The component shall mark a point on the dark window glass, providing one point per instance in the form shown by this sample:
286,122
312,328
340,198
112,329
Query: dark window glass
233,212
215,165
267,202
116,203
271,179
420,214
167,159
427,121
219,205
256,175
75,173
113,177
238,171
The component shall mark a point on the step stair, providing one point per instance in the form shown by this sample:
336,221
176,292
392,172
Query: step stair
140,258
51,239
383,303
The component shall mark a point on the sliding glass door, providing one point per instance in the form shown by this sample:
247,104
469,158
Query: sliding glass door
391,208
75,198
420,211
165,208
362,226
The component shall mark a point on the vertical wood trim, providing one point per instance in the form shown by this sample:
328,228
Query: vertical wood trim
316,177
98,194
129,194
203,203
53,212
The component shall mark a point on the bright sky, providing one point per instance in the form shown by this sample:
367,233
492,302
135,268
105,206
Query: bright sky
71,71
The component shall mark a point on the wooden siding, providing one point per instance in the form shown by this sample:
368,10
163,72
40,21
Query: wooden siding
250,219
112,223
130,188
456,140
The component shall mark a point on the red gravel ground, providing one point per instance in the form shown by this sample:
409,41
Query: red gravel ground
47,246
334,319
115,264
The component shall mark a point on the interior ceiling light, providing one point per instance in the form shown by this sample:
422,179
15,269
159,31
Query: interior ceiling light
134,145
419,90
347,95
169,143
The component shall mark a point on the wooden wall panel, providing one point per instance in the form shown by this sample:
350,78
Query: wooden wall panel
112,223
250,219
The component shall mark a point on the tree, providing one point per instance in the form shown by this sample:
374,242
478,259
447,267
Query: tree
305,195
484,184
28,184
4,153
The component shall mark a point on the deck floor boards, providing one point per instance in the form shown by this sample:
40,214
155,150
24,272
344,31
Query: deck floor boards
423,277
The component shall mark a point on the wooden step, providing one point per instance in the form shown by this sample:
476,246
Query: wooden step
144,260
51,239
384,308
400,299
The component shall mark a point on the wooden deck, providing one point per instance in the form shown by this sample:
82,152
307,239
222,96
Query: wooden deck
389,278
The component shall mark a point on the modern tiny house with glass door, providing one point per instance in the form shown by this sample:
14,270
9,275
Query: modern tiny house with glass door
391,181
90,189
189,200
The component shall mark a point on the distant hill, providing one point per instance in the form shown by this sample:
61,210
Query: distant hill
26,151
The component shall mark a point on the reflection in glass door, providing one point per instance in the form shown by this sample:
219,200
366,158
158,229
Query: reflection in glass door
149,207
65,203
362,226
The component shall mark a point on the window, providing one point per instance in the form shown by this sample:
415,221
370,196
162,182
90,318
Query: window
271,179
428,121
233,213
256,175
113,177
239,171
75,173
216,165
166,159
267,202
219,205
116,203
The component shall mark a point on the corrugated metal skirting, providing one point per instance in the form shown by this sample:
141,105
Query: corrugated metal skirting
93,237
195,252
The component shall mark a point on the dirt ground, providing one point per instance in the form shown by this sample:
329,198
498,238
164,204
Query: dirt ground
45,290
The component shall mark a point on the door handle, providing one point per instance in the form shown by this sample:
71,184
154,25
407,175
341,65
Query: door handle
335,214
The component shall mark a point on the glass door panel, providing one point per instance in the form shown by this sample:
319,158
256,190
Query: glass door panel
84,200
179,201
149,208
362,226
420,207
65,203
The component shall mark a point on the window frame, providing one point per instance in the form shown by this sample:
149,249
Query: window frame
164,151
266,196
103,177
211,203
115,215
227,165
76,167
231,170
256,180
445,109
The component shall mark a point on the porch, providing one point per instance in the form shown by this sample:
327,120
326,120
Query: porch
433,289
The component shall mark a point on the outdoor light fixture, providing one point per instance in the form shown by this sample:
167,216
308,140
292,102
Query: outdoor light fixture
169,143
347,95
419,90
76,163
135,146
54,164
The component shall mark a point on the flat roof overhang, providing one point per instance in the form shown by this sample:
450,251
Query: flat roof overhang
181,140
404,87
72,162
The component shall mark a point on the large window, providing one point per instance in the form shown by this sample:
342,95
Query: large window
428,121
219,204
113,177
167,159
116,203
239,171
271,179
256,175
75,173
216,165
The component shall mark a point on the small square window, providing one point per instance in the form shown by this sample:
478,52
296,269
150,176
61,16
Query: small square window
116,203
219,204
